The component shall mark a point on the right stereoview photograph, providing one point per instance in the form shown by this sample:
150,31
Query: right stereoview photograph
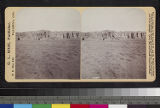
113,44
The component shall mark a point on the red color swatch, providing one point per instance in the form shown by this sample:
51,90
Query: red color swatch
79,106
99,106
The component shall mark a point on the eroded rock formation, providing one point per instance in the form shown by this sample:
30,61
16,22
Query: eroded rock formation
42,35
101,35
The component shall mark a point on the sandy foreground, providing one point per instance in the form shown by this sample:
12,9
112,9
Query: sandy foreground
100,59
113,59
48,59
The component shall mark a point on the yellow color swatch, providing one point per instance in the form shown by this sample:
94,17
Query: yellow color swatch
60,105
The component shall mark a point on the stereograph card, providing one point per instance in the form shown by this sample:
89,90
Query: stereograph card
80,44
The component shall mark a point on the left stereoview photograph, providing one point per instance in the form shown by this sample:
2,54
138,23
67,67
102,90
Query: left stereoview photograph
47,44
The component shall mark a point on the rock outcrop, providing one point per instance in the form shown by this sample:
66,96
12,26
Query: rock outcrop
101,35
42,35
114,35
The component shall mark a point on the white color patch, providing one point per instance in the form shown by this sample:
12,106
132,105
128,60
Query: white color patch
117,106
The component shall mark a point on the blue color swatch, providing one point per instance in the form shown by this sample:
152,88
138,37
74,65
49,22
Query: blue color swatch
6,105
22,105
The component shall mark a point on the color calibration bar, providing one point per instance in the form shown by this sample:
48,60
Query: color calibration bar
76,106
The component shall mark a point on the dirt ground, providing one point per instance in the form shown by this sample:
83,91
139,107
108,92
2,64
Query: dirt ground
48,59
113,59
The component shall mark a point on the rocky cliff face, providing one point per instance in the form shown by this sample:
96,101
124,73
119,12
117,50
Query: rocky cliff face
42,35
102,35
114,35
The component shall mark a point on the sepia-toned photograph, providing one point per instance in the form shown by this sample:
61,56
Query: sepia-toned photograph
80,44
47,43
113,44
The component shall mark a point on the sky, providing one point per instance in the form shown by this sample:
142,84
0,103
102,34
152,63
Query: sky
92,19
53,19
118,19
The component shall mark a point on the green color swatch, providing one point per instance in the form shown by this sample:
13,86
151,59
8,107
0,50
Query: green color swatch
41,105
